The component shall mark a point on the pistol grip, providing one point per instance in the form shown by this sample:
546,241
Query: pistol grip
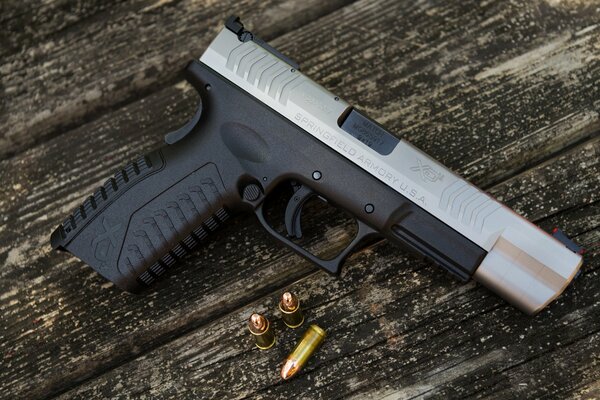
150,214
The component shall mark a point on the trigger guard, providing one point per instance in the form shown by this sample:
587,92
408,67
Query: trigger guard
332,265
176,136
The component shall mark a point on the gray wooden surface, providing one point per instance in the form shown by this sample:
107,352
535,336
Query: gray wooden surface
505,93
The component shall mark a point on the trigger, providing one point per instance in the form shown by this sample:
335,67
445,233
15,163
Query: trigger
293,210
177,135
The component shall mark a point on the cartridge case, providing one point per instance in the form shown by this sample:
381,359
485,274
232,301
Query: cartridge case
260,328
311,340
289,305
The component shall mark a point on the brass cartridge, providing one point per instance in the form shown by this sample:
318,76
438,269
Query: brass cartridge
309,343
260,328
289,305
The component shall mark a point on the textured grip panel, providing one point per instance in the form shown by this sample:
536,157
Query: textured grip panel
145,218
190,208
105,194
183,247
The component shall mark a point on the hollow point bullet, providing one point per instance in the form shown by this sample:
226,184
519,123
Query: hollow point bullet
311,340
260,328
289,305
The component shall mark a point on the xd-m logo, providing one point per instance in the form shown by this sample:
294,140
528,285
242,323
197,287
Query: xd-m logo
105,241
427,173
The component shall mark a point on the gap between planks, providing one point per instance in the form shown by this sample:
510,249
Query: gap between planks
312,274
288,24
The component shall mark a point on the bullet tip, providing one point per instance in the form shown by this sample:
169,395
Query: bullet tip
289,369
257,322
289,301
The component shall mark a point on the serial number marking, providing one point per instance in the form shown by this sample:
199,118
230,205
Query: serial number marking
367,134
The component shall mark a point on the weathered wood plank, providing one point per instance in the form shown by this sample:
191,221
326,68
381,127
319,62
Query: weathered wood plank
134,49
43,305
500,72
78,333
399,328
24,24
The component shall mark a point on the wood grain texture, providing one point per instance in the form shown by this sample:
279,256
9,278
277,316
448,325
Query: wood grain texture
27,23
400,328
129,51
490,89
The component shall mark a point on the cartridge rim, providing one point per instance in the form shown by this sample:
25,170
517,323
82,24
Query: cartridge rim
267,347
294,326
320,331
